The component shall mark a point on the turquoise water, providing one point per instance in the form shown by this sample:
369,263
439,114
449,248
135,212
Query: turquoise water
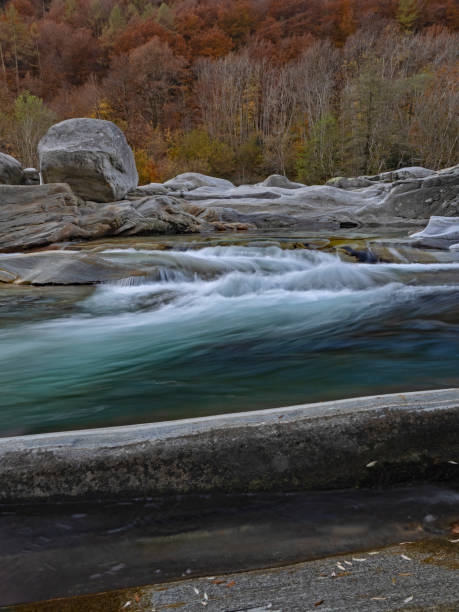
226,328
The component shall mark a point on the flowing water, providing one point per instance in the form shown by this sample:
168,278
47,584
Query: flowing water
221,329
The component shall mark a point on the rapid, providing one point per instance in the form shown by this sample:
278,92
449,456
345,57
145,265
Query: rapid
228,328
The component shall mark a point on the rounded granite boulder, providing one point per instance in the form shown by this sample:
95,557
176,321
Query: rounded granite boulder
10,170
92,156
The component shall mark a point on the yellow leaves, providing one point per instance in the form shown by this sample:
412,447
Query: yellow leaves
146,167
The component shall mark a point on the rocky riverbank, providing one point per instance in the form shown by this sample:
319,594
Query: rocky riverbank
91,191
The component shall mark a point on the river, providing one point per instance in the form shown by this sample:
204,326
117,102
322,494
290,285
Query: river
222,328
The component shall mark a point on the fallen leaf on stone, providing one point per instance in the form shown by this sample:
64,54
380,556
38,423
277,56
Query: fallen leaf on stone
408,599
137,598
406,557
405,574
371,464
318,603
219,581
343,573
229,584
280,416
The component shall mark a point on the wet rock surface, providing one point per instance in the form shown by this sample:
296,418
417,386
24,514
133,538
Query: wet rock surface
330,445
61,268
145,542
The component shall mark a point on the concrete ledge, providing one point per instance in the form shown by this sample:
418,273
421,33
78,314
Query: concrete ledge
326,445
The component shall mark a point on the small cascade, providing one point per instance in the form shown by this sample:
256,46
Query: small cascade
229,328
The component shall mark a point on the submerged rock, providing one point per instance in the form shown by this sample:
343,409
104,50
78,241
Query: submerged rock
92,156
10,170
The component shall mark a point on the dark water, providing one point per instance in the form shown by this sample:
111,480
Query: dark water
227,328
70,550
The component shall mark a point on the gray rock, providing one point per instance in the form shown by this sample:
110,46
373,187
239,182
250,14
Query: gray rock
10,170
151,189
441,232
342,182
31,176
61,268
422,198
192,180
39,215
405,202
279,180
410,172
92,156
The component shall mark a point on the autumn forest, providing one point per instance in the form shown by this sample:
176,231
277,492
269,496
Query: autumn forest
238,88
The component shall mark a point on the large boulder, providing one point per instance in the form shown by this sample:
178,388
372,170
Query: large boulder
92,156
10,170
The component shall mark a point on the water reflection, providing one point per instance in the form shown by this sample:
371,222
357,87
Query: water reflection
70,550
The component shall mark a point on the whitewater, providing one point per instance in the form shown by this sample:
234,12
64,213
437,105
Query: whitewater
229,328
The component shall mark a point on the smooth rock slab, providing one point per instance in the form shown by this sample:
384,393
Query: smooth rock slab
61,268
92,156
328,445
192,180
441,232
39,215
279,180
425,581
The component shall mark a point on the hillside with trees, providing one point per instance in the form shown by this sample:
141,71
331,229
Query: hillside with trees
239,88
